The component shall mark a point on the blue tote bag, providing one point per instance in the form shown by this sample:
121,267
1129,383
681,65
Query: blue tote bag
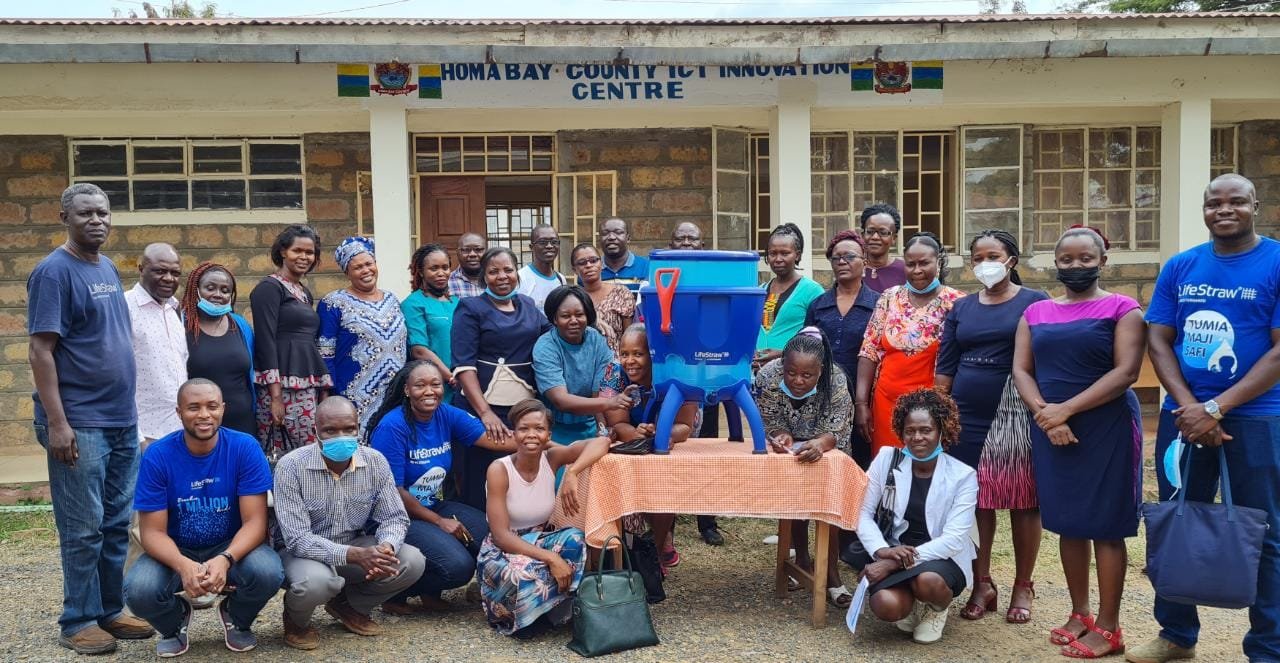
1204,553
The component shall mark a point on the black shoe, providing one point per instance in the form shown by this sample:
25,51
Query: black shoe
712,537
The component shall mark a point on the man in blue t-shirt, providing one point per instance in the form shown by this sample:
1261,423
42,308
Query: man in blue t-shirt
81,356
620,264
202,511
1215,344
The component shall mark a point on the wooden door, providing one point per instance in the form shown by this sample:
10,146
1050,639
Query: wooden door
451,207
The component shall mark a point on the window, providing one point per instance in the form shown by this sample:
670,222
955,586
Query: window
484,153
1107,177
193,174
1222,150
992,192
829,168
510,225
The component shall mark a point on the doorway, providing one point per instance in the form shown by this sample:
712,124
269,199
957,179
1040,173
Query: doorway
501,208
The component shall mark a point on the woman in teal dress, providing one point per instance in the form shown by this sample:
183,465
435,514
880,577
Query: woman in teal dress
569,362
428,311
789,294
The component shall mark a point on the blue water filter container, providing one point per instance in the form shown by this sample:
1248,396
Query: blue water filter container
702,311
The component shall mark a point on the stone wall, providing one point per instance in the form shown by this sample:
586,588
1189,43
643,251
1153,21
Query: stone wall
33,173
664,177
1260,161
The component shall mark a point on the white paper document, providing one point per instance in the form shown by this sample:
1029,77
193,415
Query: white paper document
855,608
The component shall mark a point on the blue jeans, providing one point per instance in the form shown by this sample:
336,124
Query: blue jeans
151,587
449,563
1253,460
91,505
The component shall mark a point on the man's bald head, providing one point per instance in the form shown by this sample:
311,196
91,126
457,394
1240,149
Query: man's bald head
159,270
337,417
1232,180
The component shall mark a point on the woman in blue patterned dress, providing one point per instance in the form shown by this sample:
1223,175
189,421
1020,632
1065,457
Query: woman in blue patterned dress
362,336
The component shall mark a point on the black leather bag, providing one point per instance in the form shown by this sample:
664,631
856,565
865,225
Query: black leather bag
852,552
638,447
646,562
610,613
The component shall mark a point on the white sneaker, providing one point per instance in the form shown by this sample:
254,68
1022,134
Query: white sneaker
908,623
929,629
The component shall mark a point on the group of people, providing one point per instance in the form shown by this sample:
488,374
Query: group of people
363,451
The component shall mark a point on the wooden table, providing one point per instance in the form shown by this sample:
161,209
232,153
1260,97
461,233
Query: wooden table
712,476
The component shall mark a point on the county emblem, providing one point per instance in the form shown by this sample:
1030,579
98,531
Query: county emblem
393,78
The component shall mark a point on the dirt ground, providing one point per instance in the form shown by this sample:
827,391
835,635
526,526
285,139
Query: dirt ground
720,607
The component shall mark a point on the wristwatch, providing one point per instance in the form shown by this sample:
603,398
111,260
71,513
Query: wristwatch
1212,409
231,559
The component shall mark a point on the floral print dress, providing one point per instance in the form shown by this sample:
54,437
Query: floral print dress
903,340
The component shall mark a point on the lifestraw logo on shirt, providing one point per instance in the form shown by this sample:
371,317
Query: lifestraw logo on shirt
424,454
1204,291
197,485
1207,340
99,290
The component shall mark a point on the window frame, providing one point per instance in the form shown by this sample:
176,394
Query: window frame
962,232
126,214
1131,246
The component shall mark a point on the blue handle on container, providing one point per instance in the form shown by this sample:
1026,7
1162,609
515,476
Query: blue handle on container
666,293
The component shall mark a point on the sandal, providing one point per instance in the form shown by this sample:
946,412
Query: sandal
1019,615
1061,636
839,597
974,611
1077,649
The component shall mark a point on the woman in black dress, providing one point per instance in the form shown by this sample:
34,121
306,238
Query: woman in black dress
220,343
288,370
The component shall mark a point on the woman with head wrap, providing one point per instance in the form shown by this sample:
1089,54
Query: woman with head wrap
362,334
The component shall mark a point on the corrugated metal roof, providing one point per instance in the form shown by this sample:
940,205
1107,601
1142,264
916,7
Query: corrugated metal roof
509,22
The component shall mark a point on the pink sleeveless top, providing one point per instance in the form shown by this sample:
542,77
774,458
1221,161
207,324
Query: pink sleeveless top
529,503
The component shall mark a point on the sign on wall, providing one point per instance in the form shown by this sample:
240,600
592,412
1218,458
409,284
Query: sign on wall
481,84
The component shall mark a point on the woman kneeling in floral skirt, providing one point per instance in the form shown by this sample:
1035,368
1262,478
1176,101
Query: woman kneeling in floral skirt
526,569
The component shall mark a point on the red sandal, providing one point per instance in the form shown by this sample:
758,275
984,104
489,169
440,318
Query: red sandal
1077,649
1061,636
975,611
1020,615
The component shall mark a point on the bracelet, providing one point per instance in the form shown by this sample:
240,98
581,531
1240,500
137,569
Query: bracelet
231,559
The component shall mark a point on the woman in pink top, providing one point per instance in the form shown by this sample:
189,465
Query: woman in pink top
526,569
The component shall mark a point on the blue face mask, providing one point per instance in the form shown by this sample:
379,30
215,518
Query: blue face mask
936,452
215,310
501,298
925,290
1173,462
782,384
339,449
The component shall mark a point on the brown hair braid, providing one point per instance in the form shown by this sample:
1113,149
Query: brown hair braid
941,408
191,296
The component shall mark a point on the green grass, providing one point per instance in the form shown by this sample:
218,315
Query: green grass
28,525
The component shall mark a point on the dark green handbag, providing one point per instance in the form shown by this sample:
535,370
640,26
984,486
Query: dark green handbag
610,613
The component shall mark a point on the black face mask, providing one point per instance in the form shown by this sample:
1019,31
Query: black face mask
1079,279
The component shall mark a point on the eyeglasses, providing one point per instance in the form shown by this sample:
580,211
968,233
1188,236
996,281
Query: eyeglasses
546,242
879,232
586,262
845,258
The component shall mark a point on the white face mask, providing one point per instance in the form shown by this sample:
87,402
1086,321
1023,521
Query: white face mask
990,273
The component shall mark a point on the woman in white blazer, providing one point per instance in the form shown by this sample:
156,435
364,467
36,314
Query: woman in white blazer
927,560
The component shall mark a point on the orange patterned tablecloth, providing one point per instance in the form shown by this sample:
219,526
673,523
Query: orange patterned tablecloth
711,476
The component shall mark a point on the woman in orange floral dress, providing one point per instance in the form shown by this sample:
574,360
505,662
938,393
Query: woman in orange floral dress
900,347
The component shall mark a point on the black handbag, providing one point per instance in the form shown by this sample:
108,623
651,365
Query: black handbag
852,552
640,446
610,613
1201,553
646,562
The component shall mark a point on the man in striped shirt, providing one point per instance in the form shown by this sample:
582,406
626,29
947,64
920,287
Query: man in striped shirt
325,493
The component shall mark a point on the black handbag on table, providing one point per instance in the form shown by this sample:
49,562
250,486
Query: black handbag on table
610,613
852,552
